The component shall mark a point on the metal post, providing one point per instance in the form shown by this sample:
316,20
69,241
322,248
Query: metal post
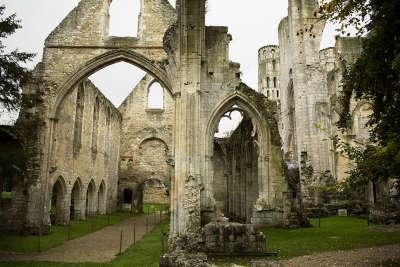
134,233
69,231
92,224
162,241
120,243
319,221
39,239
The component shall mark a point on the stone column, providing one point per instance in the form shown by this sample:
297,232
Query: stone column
186,191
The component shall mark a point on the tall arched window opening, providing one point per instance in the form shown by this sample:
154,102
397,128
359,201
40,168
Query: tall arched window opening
155,98
124,18
95,130
80,105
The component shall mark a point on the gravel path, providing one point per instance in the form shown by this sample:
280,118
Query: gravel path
100,246
359,257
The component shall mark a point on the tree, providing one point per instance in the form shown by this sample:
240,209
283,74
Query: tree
373,77
12,74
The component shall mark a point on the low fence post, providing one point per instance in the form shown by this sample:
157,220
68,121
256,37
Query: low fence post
92,224
134,233
39,239
162,241
120,242
69,230
319,219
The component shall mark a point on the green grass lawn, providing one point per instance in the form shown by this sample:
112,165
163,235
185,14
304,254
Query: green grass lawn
59,234
336,233
391,263
150,208
145,253
6,195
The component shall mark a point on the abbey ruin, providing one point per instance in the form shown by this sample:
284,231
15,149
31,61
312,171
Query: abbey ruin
89,157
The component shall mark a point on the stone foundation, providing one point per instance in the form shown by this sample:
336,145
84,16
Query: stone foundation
232,238
268,217
183,259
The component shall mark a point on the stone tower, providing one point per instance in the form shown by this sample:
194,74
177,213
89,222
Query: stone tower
268,72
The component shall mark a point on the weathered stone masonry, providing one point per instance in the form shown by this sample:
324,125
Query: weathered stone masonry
146,144
175,145
309,83
78,47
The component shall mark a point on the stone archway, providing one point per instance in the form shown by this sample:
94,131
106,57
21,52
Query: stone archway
76,200
243,186
101,199
59,212
91,207
154,172
106,59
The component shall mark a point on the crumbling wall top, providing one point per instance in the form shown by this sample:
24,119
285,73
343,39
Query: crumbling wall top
86,24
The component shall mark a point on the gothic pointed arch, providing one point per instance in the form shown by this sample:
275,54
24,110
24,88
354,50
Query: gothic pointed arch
154,68
251,147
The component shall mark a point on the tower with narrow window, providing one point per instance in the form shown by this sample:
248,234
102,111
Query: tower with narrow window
268,72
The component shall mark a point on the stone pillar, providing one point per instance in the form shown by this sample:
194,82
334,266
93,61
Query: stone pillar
186,187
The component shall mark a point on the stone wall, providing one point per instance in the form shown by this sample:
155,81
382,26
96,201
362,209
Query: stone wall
146,140
207,86
79,46
86,151
235,180
310,84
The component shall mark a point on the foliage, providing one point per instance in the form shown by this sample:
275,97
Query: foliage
267,108
154,207
292,176
12,74
374,163
374,77
348,13
328,188
6,195
12,159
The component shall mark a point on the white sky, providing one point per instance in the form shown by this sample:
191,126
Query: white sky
251,25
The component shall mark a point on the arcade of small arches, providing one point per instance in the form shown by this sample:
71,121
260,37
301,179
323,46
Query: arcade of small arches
76,202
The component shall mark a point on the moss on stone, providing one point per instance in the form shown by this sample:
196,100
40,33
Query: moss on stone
268,110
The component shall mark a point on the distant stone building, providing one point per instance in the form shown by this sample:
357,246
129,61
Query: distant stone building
308,83
269,71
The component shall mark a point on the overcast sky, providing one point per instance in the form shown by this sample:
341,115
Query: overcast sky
251,25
